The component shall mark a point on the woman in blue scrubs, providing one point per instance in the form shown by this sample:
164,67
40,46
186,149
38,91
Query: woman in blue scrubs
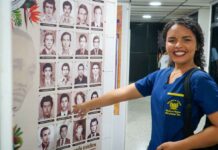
184,43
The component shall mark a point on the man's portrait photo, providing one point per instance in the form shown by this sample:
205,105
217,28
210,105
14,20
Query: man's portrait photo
67,15
23,68
82,15
66,47
65,78
82,45
46,135
95,72
47,75
96,46
46,108
63,105
48,45
79,130
97,19
48,14
93,128
94,95
81,78
63,132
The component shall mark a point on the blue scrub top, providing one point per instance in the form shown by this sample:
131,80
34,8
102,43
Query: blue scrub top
167,103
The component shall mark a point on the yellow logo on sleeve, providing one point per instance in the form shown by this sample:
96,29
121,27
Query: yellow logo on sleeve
173,109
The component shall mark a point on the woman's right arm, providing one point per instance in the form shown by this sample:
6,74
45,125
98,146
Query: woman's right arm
115,96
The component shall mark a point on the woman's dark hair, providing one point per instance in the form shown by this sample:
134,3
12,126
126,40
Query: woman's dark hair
199,58
94,93
81,94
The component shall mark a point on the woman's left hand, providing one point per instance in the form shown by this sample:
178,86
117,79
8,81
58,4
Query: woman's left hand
171,146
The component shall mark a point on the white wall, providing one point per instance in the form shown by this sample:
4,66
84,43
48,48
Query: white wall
204,19
5,77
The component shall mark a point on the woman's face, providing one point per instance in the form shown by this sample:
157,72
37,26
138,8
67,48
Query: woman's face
181,45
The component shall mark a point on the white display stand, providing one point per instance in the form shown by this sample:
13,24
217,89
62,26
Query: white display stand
121,120
204,19
114,126
5,77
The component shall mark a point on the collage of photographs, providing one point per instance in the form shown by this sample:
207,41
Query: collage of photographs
70,72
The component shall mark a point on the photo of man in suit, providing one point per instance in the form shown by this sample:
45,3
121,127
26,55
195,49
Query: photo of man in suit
65,78
82,15
46,105
45,137
49,39
96,49
97,20
64,105
63,140
81,78
82,44
93,128
95,76
47,79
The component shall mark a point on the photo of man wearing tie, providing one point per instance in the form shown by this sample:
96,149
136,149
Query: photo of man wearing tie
93,128
82,45
96,46
97,17
95,73
81,78
63,140
64,105
65,79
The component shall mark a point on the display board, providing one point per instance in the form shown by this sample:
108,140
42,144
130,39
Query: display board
58,62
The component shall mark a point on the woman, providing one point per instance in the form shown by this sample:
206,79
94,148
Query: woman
184,44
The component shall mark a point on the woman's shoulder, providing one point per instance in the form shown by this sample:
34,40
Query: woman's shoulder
200,74
201,77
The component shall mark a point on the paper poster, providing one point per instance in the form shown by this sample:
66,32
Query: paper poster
58,63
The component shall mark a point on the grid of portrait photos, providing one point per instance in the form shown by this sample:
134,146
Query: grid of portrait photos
70,72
